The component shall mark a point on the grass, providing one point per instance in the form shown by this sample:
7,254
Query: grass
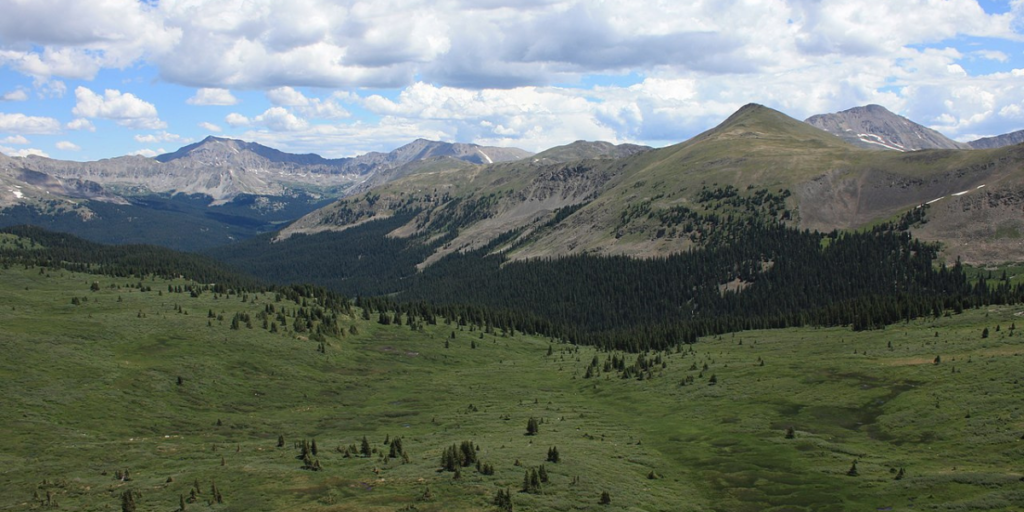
91,389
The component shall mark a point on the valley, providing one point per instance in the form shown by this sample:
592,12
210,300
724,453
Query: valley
137,378
763,317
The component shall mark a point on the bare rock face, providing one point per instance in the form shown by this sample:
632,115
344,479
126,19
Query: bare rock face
874,127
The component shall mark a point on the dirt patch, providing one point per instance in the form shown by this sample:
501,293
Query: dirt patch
910,361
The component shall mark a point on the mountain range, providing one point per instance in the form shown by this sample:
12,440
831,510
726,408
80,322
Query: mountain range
213,192
584,197
656,202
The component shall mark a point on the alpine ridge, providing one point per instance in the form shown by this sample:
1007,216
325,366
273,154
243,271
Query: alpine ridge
757,164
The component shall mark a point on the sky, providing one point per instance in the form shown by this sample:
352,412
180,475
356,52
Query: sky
92,79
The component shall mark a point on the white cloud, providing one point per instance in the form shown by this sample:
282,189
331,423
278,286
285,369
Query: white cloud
123,108
76,39
20,123
223,44
281,120
235,119
148,153
274,118
995,55
65,62
49,88
314,108
15,95
65,145
80,124
210,127
23,152
287,97
679,66
15,139
212,96
160,137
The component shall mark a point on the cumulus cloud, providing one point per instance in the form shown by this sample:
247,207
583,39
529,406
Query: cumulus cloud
312,108
235,119
148,153
210,127
280,119
81,124
222,44
161,137
66,145
274,118
14,139
123,108
995,55
287,97
20,123
212,96
22,152
472,69
15,95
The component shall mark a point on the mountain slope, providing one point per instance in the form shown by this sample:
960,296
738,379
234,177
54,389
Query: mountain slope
758,165
224,168
874,127
249,188
581,150
1007,139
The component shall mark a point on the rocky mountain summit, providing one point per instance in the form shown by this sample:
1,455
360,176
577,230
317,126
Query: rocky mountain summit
875,127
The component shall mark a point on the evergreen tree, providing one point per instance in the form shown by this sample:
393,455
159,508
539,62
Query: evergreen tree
128,501
606,499
532,427
503,500
365,449
553,454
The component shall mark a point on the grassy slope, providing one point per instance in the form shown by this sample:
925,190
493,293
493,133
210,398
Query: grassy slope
91,389
834,186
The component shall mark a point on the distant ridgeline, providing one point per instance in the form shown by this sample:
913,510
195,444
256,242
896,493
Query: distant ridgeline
764,274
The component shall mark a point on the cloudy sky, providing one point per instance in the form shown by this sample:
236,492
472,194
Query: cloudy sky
89,79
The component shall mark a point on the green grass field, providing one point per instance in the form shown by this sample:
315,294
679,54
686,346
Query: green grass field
89,390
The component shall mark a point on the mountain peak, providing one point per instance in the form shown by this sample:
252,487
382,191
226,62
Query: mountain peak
875,127
222,148
758,122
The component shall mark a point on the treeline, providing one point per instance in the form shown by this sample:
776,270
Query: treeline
770,276
361,260
40,248
763,275
61,250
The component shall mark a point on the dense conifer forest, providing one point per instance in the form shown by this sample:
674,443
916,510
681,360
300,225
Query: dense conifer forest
765,274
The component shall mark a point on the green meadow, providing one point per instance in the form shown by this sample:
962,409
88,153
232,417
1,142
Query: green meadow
116,387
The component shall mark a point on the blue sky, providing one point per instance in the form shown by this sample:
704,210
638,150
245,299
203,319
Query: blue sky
86,80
